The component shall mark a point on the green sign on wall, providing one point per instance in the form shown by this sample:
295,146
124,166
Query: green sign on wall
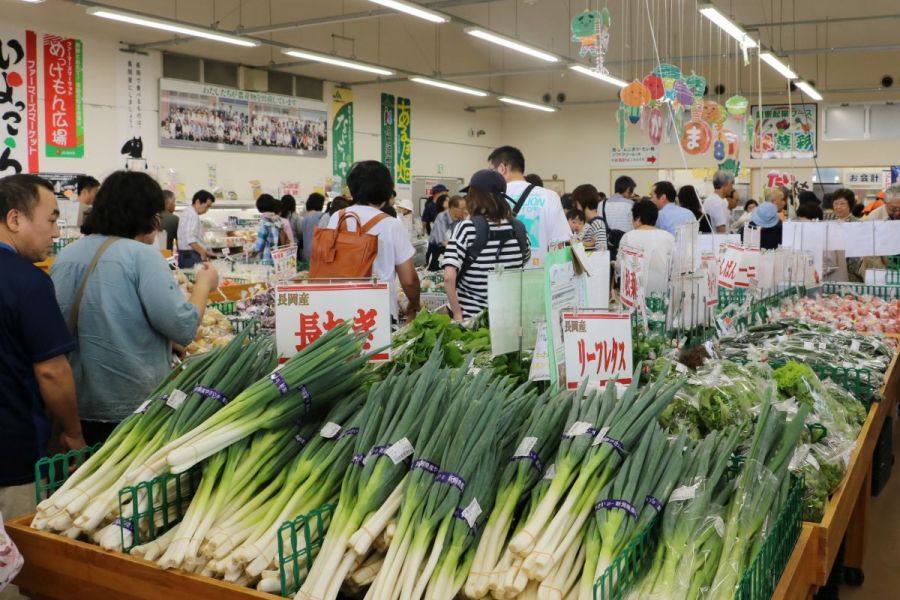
404,141
388,132
341,131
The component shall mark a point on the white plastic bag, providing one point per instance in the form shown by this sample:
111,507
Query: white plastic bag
11,560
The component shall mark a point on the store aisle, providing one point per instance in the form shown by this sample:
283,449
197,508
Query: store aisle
882,560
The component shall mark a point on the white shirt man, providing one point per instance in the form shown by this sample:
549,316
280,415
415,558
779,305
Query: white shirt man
715,206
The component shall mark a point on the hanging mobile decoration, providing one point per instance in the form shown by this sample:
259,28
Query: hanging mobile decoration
655,125
669,75
654,84
696,138
635,96
620,117
697,84
591,29
683,94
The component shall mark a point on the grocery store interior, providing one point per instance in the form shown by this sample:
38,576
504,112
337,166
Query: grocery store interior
438,299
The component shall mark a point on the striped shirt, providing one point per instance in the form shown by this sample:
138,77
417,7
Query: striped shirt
472,289
595,235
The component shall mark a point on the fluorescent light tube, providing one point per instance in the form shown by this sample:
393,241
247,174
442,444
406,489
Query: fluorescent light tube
506,42
596,75
414,10
207,34
776,64
809,90
337,62
449,86
525,104
711,13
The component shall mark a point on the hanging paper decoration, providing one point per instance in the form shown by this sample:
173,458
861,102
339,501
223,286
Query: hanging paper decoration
696,138
710,111
737,106
591,30
620,117
732,166
697,85
731,143
683,94
634,96
656,125
654,84
669,74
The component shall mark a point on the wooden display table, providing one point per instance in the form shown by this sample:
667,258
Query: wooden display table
57,568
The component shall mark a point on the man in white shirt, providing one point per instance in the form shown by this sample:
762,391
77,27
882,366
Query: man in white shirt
541,213
716,207
190,231
371,187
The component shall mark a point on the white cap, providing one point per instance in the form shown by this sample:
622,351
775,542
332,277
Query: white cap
406,203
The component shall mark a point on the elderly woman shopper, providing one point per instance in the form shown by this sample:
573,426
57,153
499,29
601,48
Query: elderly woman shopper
122,303
765,218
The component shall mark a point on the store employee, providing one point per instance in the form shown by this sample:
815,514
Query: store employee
190,231
35,377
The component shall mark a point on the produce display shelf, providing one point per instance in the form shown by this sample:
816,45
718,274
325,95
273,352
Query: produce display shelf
233,292
885,292
59,568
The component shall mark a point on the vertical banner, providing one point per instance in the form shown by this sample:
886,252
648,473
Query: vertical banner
63,89
134,95
18,101
342,131
404,141
388,132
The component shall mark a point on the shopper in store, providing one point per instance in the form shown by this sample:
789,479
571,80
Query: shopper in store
191,249
270,233
810,212
443,227
619,205
535,179
315,202
122,303
538,208
338,203
671,216
715,207
777,197
288,213
655,244
577,221
371,185
433,206
765,218
36,382
689,199
168,220
890,210
490,238
87,188
749,206
588,198
836,266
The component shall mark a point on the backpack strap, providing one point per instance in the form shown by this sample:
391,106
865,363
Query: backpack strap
521,237
521,201
482,229
374,221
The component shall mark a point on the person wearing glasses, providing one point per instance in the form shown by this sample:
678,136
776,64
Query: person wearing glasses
122,304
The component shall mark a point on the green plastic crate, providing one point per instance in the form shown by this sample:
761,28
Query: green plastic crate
240,324
858,382
156,506
227,308
885,292
51,472
312,527
757,582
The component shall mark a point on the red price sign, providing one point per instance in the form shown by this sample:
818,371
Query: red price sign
729,264
598,347
631,289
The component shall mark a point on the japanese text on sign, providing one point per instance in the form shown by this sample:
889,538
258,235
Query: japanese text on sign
306,312
632,287
62,97
598,347
18,99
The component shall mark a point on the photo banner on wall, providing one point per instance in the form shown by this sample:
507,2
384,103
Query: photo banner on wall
404,140
783,131
341,131
388,132
211,117
63,97
19,140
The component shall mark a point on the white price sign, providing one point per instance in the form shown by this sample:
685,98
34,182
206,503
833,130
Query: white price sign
729,264
284,263
711,272
598,346
305,312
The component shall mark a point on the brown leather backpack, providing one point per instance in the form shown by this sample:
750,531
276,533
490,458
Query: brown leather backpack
341,253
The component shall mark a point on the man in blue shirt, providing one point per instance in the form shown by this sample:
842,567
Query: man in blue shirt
36,383
670,214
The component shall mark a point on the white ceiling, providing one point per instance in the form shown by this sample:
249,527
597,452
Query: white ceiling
817,51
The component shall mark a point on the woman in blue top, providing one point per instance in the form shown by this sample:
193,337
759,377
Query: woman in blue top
270,234
130,311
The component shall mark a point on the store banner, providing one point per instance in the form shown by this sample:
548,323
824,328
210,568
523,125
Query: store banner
597,348
18,101
784,131
305,312
135,89
404,140
389,132
341,131
63,97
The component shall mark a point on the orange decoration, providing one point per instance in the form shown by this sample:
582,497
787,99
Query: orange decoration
635,94
696,138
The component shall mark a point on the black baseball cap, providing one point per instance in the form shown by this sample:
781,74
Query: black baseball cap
439,189
487,181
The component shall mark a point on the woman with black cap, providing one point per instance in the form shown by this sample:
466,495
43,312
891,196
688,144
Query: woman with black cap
491,237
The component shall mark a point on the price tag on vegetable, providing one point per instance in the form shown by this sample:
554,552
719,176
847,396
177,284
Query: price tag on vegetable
176,399
305,312
399,451
471,513
598,347
329,430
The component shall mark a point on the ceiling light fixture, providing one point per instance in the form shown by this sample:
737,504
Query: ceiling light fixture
449,86
414,10
510,43
596,75
171,26
524,104
337,62
712,13
810,90
776,64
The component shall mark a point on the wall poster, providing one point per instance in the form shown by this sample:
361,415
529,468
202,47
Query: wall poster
784,131
18,101
211,117
63,97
